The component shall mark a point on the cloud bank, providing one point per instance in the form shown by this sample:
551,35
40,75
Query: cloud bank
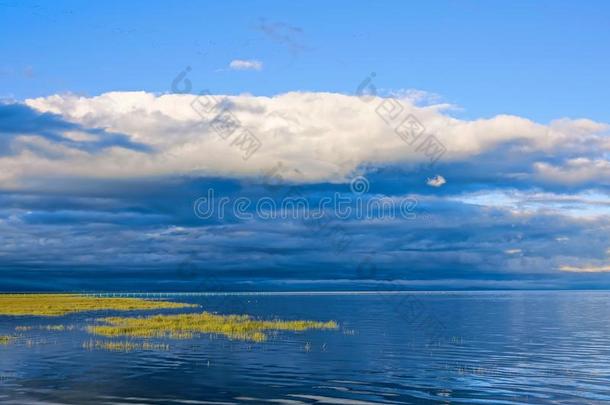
326,136
91,184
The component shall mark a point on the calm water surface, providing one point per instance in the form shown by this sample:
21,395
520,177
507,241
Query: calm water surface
414,348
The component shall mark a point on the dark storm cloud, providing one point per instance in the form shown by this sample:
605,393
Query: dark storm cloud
135,235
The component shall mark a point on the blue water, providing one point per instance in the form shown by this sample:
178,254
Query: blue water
415,348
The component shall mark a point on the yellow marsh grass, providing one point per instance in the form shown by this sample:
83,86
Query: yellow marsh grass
123,346
61,304
5,340
241,327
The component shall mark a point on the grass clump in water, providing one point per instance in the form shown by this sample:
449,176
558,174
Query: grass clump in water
62,304
123,346
185,326
5,340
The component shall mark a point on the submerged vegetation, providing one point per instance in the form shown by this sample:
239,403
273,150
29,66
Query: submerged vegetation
50,328
185,326
62,304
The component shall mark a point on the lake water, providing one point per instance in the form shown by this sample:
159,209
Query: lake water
413,348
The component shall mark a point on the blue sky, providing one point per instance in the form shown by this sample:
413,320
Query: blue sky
101,159
537,59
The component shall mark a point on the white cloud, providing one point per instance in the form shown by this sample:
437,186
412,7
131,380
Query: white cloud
436,181
575,171
241,64
321,136
586,269
583,205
